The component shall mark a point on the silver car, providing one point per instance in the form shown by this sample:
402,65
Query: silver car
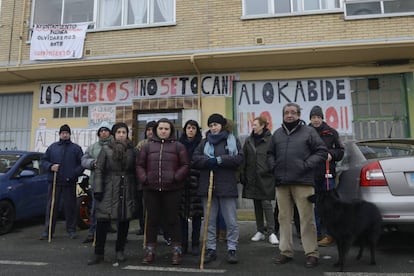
382,172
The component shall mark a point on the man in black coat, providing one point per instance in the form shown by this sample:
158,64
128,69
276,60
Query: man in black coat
324,180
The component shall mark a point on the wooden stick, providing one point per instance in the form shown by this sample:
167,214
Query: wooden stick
52,206
206,218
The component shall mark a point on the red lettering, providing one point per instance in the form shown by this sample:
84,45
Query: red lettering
101,96
76,93
124,87
174,86
92,92
164,83
68,89
111,91
83,93
332,117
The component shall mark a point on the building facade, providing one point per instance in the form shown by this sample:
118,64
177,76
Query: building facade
184,59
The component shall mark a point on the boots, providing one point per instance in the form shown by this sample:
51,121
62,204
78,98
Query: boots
177,253
95,259
149,254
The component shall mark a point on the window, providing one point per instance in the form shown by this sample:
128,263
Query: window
357,9
104,13
257,8
71,112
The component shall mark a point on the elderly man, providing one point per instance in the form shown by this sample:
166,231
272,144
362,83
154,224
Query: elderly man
295,151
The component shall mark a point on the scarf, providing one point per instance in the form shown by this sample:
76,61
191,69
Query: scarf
214,139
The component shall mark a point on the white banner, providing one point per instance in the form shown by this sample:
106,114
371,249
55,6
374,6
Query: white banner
267,98
53,41
123,91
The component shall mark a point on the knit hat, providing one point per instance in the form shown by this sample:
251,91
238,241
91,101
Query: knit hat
150,124
64,127
316,111
119,125
216,118
104,125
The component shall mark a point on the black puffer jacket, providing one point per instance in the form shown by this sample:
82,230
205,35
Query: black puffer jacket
293,157
117,182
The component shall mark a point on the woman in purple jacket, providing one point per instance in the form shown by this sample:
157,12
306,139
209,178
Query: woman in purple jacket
162,167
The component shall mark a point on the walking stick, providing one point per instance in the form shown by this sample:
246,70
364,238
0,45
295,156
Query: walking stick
52,206
144,244
206,218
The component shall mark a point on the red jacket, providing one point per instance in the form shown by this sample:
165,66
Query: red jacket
162,165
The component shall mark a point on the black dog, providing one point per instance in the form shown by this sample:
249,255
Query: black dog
348,222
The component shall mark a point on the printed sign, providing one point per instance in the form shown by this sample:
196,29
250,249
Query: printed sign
267,98
54,41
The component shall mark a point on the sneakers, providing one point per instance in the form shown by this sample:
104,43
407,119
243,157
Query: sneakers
273,239
72,235
259,236
210,256
326,241
232,257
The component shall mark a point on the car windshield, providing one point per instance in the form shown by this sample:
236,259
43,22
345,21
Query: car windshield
7,161
386,149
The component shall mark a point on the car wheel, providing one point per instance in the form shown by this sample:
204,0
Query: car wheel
84,207
7,217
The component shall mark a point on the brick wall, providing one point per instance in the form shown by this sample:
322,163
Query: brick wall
213,24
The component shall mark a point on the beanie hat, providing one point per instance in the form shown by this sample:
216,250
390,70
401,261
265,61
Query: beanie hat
216,118
150,124
119,125
105,125
64,127
316,111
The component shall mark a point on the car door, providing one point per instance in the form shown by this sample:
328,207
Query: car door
29,187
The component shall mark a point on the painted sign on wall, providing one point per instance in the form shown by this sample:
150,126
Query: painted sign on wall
267,98
45,137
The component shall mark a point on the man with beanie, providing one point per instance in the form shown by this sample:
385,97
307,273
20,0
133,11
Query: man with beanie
335,153
89,162
220,152
294,153
62,158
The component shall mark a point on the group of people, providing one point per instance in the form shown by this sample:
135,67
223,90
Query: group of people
168,180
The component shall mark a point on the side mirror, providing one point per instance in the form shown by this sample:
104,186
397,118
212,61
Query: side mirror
27,173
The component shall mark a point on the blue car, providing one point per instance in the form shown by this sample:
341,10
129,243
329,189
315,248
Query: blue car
23,187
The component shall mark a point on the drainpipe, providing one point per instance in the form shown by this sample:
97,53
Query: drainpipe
192,60
19,57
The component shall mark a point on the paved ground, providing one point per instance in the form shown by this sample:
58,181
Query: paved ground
22,253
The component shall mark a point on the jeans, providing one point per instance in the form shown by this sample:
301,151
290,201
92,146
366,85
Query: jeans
229,211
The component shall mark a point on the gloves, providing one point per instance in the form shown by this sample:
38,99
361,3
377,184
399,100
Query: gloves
98,196
212,163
